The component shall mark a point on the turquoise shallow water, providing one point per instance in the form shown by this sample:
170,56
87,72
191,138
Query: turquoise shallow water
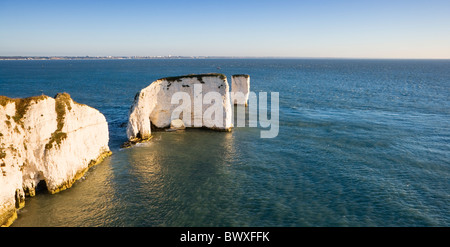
361,143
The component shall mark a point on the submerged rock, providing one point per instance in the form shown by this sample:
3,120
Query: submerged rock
154,105
54,140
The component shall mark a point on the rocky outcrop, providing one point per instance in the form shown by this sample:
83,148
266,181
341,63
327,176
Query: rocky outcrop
240,89
44,140
155,104
177,124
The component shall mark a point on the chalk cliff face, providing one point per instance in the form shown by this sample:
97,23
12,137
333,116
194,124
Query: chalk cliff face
54,140
240,89
153,104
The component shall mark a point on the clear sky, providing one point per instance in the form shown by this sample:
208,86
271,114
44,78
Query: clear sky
312,28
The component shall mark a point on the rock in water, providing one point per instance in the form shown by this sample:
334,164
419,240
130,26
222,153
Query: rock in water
54,140
155,104
240,89
177,124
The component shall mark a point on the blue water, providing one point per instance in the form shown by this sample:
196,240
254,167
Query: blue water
361,143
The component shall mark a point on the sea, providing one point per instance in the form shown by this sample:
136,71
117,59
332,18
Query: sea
361,142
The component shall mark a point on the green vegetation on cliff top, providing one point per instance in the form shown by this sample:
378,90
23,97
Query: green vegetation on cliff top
62,101
22,106
198,76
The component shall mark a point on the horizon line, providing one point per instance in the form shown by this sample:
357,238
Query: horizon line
112,57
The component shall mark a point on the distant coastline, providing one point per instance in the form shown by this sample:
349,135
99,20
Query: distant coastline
132,57
99,57
191,57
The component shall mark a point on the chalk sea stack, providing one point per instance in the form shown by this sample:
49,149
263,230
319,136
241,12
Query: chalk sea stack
240,89
153,105
49,141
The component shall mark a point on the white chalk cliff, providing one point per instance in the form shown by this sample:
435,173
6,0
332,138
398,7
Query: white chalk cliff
240,89
54,140
153,104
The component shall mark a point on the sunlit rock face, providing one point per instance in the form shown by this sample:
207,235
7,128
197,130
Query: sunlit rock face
44,140
155,104
240,89
177,124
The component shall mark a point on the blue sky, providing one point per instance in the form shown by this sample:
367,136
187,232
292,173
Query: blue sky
320,28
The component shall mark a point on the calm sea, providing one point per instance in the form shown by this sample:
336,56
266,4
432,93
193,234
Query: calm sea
361,143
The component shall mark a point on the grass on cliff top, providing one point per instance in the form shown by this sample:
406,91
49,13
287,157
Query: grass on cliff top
22,106
198,76
2,153
241,75
62,101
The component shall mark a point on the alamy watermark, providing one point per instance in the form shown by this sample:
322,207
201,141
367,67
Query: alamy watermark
216,114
